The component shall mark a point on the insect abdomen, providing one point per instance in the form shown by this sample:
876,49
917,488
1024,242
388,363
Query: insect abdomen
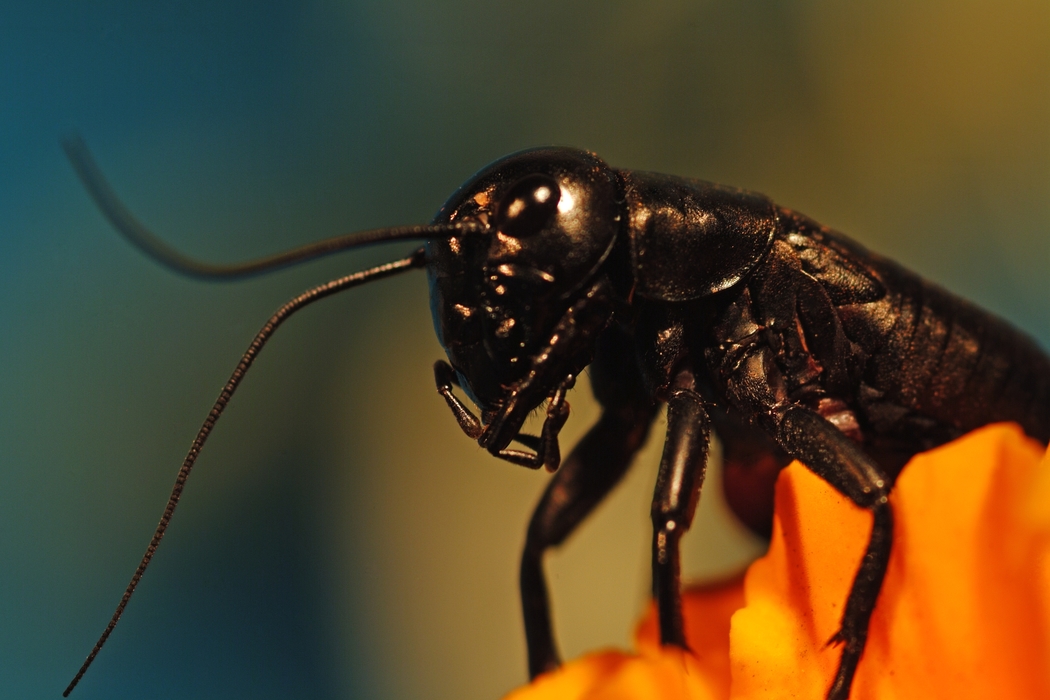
944,359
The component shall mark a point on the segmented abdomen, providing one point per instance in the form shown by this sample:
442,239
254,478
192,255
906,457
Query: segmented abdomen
935,365
942,358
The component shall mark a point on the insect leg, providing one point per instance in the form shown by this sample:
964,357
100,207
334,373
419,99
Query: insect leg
837,459
751,463
591,470
682,470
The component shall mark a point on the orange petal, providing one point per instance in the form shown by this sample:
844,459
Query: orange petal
707,610
655,672
671,674
966,600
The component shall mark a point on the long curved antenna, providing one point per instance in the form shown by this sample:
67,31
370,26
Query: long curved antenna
308,297
145,240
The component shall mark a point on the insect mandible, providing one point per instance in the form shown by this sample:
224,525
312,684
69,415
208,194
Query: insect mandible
787,339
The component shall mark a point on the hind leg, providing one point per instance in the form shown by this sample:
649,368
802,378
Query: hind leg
751,463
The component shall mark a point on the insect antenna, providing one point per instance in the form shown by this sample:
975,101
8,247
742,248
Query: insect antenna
416,260
149,243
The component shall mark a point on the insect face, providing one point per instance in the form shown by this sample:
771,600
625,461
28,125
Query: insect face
550,219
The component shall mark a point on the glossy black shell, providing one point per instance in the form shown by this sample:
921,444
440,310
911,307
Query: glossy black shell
493,296
691,238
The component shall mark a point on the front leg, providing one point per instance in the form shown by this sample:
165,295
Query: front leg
592,469
682,471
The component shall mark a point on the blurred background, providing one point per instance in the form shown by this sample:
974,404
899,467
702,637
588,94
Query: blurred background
341,538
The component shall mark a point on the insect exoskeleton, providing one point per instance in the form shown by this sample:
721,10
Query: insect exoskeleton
786,338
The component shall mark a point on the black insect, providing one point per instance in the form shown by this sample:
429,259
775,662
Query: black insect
787,338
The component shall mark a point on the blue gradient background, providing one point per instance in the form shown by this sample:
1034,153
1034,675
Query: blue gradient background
341,539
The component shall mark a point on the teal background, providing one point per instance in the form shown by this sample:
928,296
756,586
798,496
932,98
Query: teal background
341,538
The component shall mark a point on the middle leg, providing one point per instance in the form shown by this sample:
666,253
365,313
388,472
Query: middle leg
682,471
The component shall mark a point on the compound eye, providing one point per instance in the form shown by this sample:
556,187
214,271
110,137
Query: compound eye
528,206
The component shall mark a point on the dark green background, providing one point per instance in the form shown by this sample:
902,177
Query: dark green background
341,537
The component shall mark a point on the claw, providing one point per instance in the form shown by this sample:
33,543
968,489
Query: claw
835,640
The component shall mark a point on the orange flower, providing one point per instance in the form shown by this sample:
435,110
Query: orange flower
964,611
